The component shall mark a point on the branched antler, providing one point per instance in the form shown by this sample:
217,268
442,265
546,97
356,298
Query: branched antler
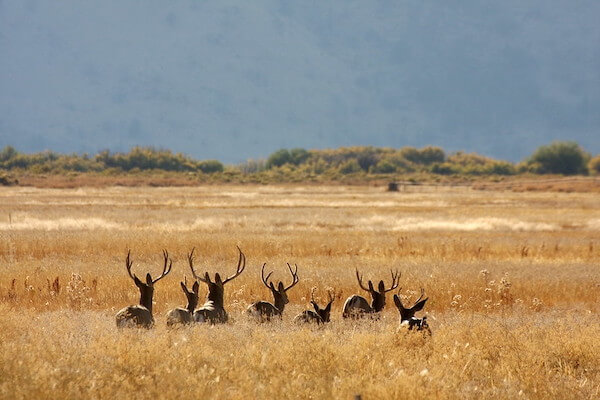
395,280
240,267
295,278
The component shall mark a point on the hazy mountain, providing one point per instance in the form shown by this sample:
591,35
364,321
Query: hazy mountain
239,79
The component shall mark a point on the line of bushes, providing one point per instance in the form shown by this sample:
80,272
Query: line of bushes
566,158
139,158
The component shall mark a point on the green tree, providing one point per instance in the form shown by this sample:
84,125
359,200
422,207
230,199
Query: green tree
279,158
565,158
298,156
7,153
350,167
384,166
210,166
432,154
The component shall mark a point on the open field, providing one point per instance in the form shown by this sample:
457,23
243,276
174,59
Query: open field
513,281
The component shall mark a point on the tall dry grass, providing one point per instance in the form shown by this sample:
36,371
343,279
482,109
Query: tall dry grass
513,281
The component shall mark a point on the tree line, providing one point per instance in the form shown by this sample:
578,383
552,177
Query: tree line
566,158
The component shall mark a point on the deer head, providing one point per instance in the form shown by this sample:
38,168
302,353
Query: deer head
280,291
406,314
378,296
192,295
325,312
147,288
216,287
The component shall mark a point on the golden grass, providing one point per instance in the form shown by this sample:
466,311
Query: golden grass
513,281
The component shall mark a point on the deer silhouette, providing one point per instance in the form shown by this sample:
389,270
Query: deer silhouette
141,315
357,306
181,315
407,315
319,315
213,310
262,310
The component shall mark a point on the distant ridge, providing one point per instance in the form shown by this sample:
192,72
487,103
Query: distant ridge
239,79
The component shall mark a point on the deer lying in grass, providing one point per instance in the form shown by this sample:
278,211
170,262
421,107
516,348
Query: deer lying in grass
213,310
320,315
407,315
262,310
182,315
141,315
357,306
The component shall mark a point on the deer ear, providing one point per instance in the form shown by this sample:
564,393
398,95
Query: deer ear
328,308
398,302
185,289
271,286
280,287
196,287
315,306
137,281
148,279
419,306
218,278
207,277
381,286
371,286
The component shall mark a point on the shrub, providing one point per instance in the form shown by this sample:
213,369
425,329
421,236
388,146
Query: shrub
7,180
7,153
565,158
279,158
426,156
594,165
384,166
210,166
298,156
501,168
350,167
443,169
431,154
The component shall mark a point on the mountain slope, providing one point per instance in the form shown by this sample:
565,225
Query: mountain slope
233,80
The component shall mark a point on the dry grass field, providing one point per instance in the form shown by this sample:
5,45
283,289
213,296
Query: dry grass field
513,281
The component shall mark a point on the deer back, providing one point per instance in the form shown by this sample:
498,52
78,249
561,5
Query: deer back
211,314
263,311
134,316
308,317
179,316
355,306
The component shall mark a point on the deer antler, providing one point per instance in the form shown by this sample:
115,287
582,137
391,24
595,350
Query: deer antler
295,278
422,294
262,276
240,267
360,283
312,294
166,268
331,295
395,280
128,264
190,258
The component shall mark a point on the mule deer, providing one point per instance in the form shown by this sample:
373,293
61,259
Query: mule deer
182,315
263,310
141,315
357,306
213,310
320,315
407,315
